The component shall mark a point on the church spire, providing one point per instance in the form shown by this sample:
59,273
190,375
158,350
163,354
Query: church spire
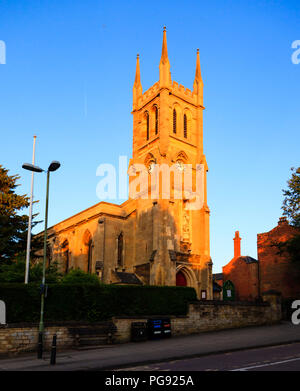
198,82
137,80
164,65
137,86
198,69
164,51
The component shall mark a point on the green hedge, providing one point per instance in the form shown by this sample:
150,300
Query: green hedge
92,303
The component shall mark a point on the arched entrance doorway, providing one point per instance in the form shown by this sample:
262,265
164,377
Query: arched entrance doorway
181,279
185,276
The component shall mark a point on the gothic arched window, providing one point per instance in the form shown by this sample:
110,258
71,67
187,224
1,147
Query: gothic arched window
90,248
185,126
66,256
147,123
120,249
156,119
49,254
174,121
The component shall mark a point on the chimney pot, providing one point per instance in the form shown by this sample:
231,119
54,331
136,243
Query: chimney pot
237,244
282,220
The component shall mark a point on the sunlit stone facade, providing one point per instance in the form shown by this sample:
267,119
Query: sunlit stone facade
151,241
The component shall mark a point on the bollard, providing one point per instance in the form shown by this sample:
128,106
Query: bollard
53,351
40,345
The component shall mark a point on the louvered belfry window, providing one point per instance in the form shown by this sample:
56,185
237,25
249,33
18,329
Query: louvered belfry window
185,126
147,124
156,120
174,121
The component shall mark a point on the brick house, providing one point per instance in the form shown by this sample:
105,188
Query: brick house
272,271
243,272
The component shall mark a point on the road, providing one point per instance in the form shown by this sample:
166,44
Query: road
276,358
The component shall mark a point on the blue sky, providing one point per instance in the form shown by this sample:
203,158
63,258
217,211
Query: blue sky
68,79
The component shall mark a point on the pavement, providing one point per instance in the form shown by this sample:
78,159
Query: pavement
109,357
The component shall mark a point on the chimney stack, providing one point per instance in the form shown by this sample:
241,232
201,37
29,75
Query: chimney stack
237,245
282,220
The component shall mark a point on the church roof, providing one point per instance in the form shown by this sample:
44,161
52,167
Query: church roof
128,278
218,276
248,259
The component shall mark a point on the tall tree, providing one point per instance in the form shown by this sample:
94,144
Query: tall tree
291,202
291,209
13,224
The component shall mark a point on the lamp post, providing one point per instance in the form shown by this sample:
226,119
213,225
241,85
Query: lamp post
52,167
30,218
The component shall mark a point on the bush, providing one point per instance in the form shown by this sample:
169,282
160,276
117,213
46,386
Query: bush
14,272
78,276
91,302
22,302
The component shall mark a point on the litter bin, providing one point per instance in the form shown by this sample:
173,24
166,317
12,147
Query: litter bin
155,328
166,328
139,331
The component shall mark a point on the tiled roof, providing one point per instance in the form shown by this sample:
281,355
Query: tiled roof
128,278
218,276
248,259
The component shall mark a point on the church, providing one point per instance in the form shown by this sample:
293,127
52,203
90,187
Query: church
144,240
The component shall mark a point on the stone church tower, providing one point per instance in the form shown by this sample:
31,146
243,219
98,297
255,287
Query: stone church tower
156,241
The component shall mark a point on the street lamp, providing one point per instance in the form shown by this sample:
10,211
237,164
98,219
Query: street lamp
32,167
30,217
52,167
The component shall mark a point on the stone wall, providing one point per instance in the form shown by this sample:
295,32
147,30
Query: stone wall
202,316
15,338
23,337
212,315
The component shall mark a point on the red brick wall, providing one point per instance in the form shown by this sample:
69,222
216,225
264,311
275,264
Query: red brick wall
244,277
276,272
